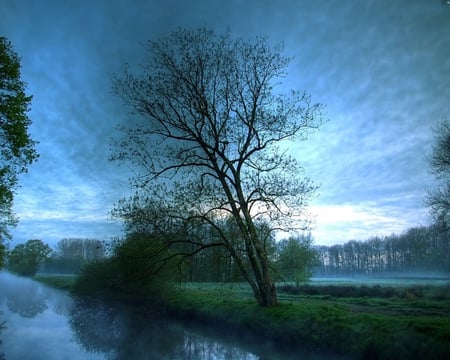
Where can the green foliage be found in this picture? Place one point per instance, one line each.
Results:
(17, 148)
(25, 259)
(296, 258)
(146, 265)
(98, 279)
(141, 266)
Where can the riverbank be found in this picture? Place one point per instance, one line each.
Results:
(363, 328)
(413, 326)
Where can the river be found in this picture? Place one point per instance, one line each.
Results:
(42, 323)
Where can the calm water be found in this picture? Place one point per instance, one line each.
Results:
(45, 324)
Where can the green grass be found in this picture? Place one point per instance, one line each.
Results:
(63, 282)
(363, 327)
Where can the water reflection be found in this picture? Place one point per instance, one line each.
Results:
(2, 327)
(123, 333)
(43, 323)
(37, 322)
(27, 299)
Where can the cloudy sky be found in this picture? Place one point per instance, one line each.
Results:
(381, 68)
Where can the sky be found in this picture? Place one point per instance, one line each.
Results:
(380, 67)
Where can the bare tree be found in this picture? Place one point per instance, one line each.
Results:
(439, 198)
(207, 144)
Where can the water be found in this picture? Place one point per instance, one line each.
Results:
(46, 324)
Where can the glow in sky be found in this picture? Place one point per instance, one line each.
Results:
(381, 67)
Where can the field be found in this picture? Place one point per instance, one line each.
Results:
(388, 319)
(63, 282)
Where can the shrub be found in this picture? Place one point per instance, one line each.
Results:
(140, 267)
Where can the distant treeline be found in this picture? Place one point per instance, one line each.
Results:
(71, 254)
(420, 249)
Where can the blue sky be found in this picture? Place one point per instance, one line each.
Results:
(381, 68)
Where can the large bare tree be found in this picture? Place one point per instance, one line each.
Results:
(438, 198)
(209, 144)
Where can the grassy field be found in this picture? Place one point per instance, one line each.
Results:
(63, 282)
(394, 322)
(409, 327)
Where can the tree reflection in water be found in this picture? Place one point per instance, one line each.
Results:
(2, 326)
(124, 333)
(27, 300)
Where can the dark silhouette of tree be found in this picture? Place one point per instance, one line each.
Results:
(438, 199)
(17, 149)
(2, 255)
(2, 327)
(208, 143)
(25, 259)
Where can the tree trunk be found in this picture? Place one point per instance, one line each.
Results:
(267, 294)
(263, 288)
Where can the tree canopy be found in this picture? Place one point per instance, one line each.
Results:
(25, 259)
(296, 258)
(17, 149)
(208, 145)
(439, 197)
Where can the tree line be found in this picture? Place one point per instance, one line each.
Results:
(69, 256)
(292, 259)
(420, 249)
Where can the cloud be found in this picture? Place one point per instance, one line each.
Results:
(380, 67)
(341, 223)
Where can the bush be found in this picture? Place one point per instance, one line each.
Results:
(25, 259)
(140, 267)
(98, 278)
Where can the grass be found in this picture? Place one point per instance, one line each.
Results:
(63, 282)
(378, 327)
(408, 324)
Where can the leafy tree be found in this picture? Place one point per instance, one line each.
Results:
(25, 259)
(296, 258)
(17, 150)
(439, 198)
(134, 269)
(208, 145)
